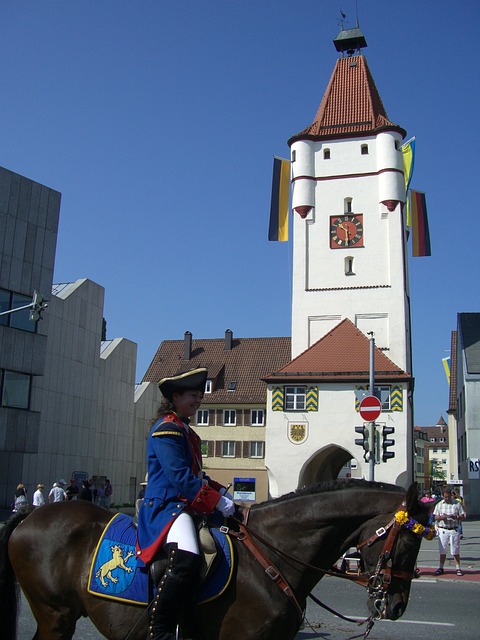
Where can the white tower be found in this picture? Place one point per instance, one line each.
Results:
(349, 258)
(349, 279)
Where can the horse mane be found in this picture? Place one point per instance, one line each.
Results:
(334, 485)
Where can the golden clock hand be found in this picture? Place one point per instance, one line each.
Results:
(341, 226)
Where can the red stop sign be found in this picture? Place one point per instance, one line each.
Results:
(370, 408)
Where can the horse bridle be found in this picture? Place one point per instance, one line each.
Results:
(377, 584)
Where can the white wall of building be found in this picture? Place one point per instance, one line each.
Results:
(375, 298)
(329, 429)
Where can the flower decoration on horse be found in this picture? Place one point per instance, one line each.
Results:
(418, 529)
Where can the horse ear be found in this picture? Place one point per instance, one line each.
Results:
(412, 497)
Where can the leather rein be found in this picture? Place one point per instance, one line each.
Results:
(377, 583)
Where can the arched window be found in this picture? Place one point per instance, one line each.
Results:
(364, 149)
(347, 205)
(349, 266)
(326, 154)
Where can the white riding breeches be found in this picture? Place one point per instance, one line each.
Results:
(183, 532)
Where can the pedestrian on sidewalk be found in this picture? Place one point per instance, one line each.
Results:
(57, 493)
(38, 498)
(448, 514)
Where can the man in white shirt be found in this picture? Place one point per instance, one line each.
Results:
(57, 494)
(448, 514)
(38, 499)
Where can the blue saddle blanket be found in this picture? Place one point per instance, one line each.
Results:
(114, 573)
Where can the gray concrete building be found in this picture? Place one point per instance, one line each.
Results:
(68, 396)
(29, 214)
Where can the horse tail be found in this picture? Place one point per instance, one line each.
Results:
(9, 590)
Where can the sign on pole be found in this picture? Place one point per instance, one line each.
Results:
(370, 408)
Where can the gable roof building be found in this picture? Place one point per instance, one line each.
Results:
(313, 406)
(232, 418)
(343, 354)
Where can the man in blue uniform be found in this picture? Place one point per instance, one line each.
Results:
(177, 489)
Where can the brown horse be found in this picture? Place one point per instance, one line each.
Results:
(303, 534)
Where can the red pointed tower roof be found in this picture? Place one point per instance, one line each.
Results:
(351, 105)
(342, 355)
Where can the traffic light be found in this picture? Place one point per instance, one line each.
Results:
(363, 441)
(387, 442)
(38, 305)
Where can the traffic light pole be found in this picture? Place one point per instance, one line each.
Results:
(371, 426)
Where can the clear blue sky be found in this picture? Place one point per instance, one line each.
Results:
(157, 121)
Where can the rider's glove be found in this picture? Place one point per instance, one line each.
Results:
(226, 506)
(225, 493)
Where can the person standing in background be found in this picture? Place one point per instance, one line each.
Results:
(38, 499)
(20, 499)
(85, 492)
(72, 491)
(57, 494)
(448, 513)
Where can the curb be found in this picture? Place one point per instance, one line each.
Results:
(469, 575)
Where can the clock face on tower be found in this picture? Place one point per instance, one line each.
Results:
(346, 231)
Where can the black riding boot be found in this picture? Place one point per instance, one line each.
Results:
(174, 588)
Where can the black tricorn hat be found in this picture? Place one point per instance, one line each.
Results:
(194, 379)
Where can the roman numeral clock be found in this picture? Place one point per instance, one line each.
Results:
(346, 231)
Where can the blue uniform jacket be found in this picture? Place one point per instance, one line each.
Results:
(175, 482)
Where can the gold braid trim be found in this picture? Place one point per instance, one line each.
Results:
(167, 433)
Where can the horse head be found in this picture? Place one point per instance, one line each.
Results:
(389, 552)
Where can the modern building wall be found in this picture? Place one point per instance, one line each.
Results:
(29, 214)
(147, 400)
(114, 434)
(468, 407)
(78, 413)
(85, 399)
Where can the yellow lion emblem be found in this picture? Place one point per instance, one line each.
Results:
(117, 562)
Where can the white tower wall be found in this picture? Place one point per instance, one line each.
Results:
(374, 297)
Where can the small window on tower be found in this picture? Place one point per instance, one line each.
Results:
(364, 149)
(294, 155)
(349, 266)
(347, 205)
(326, 154)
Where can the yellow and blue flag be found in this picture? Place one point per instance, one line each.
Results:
(408, 153)
(278, 228)
(446, 366)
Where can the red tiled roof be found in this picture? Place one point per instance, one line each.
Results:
(435, 431)
(246, 363)
(351, 104)
(342, 355)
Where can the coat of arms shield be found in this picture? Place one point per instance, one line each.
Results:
(297, 432)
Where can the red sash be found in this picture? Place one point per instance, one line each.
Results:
(194, 442)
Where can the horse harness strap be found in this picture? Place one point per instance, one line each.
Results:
(270, 569)
(383, 568)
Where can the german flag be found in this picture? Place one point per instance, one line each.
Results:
(278, 228)
(420, 231)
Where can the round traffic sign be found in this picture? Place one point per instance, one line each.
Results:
(370, 408)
